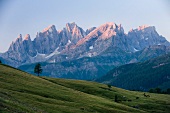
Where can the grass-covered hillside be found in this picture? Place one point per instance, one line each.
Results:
(141, 76)
(21, 92)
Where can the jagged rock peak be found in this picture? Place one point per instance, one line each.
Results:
(49, 28)
(109, 29)
(110, 26)
(27, 37)
(103, 32)
(143, 28)
(120, 27)
(71, 26)
(90, 30)
(75, 31)
(19, 38)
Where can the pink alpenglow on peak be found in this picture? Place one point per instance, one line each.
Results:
(75, 31)
(143, 27)
(112, 26)
(27, 37)
(59, 31)
(71, 26)
(109, 25)
(49, 28)
(131, 30)
(19, 38)
(103, 32)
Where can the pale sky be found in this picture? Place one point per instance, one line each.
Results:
(32, 16)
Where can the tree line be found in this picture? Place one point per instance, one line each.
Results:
(159, 90)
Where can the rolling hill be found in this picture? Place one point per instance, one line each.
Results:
(23, 92)
(141, 76)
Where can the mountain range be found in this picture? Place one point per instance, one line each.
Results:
(85, 54)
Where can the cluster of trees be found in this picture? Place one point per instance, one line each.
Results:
(0, 62)
(159, 90)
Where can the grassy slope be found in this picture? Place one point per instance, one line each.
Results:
(22, 92)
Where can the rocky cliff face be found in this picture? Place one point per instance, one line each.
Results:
(144, 36)
(47, 43)
(90, 30)
(111, 35)
(152, 52)
(20, 50)
(72, 43)
(47, 40)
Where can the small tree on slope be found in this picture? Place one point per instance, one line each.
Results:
(38, 69)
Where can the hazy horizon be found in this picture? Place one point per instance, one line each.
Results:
(29, 17)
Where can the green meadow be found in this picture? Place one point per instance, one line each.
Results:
(21, 92)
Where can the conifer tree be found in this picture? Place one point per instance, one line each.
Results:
(38, 69)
